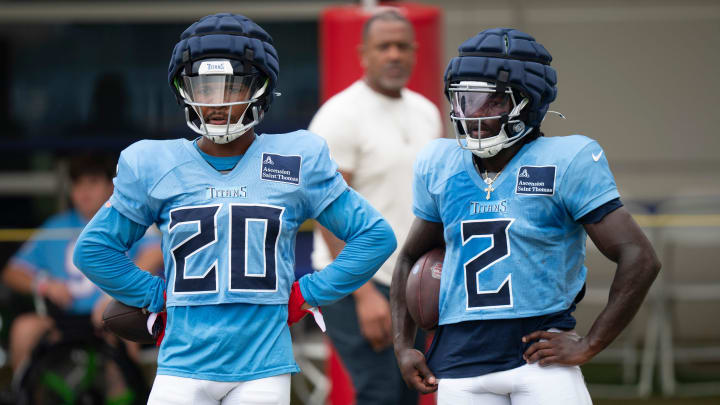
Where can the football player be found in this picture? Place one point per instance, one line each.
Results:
(229, 204)
(513, 209)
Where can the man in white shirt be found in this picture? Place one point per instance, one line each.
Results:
(374, 129)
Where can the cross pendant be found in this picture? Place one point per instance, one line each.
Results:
(489, 190)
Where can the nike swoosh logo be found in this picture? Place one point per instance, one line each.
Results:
(597, 157)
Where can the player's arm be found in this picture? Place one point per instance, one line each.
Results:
(100, 255)
(369, 241)
(422, 237)
(621, 240)
(372, 308)
(149, 258)
(334, 244)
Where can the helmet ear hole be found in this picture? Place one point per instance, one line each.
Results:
(517, 128)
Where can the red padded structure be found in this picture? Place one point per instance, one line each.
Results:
(341, 33)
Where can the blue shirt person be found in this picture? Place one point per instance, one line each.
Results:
(44, 266)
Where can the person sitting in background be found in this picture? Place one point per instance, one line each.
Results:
(43, 266)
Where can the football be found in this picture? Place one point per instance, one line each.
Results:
(422, 291)
(127, 322)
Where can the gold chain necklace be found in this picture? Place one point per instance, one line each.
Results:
(489, 189)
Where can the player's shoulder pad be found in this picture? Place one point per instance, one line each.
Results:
(438, 161)
(141, 150)
(436, 154)
(153, 158)
(563, 148)
(301, 142)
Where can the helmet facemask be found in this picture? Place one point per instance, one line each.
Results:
(221, 105)
(479, 108)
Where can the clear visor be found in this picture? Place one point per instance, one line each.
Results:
(210, 90)
(477, 107)
(485, 121)
(476, 104)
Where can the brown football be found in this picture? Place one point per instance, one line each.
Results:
(127, 322)
(422, 291)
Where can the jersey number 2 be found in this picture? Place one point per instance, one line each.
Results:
(497, 231)
(205, 217)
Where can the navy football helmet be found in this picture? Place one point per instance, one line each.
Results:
(224, 71)
(500, 74)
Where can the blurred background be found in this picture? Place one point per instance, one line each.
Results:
(638, 76)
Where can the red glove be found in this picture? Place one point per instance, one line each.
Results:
(295, 311)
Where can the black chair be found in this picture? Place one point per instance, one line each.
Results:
(80, 368)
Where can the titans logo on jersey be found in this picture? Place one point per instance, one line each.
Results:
(228, 238)
(514, 249)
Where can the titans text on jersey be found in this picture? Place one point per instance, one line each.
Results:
(517, 251)
(230, 237)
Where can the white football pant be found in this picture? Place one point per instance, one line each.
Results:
(530, 384)
(171, 390)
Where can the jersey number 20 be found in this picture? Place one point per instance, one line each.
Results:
(497, 231)
(241, 215)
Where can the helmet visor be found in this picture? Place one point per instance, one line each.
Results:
(476, 104)
(222, 89)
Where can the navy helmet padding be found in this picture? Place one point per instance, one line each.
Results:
(527, 63)
(230, 36)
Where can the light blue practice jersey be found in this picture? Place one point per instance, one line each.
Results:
(520, 252)
(228, 238)
(229, 244)
(49, 252)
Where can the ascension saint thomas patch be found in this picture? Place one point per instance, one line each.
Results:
(536, 180)
(280, 168)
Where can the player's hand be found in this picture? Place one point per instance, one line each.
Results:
(298, 308)
(415, 371)
(156, 323)
(566, 348)
(156, 326)
(373, 311)
(57, 292)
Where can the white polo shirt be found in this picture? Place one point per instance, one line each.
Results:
(376, 139)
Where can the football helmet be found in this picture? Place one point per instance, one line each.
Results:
(500, 80)
(224, 72)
